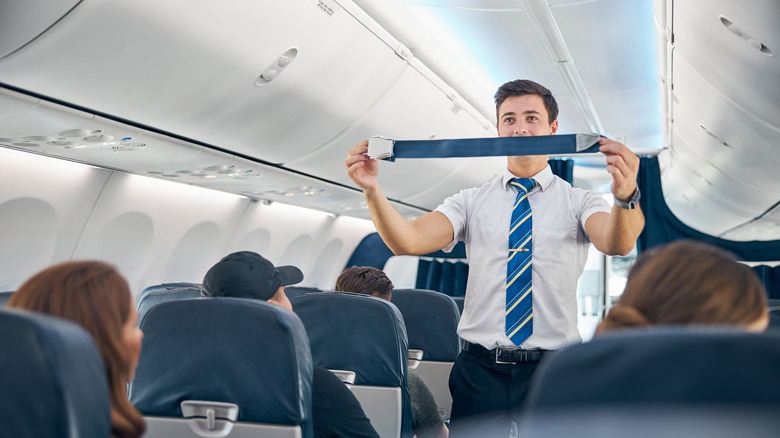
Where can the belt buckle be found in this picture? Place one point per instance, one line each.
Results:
(498, 351)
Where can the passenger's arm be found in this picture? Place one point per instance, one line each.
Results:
(615, 233)
(431, 232)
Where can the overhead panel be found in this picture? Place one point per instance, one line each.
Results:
(724, 120)
(21, 21)
(200, 69)
(413, 108)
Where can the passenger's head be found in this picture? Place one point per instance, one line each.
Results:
(523, 87)
(365, 280)
(247, 274)
(688, 282)
(95, 296)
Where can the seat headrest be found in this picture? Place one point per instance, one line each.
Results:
(167, 286)
(662, 366)
(5, 296)
(52, 379)
(431, 322)
(156, 297)
(234, 350)
(349, 331)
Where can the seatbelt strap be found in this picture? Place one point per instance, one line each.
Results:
(383, 148)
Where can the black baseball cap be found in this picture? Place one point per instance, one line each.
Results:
(247, 274)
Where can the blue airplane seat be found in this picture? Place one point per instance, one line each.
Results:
(155, 297)
(431, 323)
(459, 301)
(5, 296)
(296, 291)
(774, 316)
(662, 366)
(365, 335)
(167, 286)
(223, 366)
(52, 379)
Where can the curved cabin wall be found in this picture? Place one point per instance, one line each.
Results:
(154, 231)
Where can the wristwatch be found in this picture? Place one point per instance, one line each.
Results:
(631, 203)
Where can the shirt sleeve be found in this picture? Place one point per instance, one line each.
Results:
(454, 208)
(590, 203)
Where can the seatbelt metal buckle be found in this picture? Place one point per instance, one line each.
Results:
(586, 141)
(380, 148)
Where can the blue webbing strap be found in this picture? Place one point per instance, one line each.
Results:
(388, 149)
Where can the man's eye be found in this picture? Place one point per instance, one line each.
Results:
(509, 120)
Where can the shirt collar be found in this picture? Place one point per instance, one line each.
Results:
(544, 178)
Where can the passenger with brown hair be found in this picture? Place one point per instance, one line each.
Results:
(426, 418)
(94, 295)
(689, 283)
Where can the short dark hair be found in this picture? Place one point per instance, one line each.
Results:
(365, 280)
(522, 87)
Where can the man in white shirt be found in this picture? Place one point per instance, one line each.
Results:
(491, 375)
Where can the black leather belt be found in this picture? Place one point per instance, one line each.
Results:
(504, 355)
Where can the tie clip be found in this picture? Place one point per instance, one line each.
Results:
(519, 250)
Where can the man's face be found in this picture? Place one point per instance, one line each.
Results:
(524, 115)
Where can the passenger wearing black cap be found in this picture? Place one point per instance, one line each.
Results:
(246, 274)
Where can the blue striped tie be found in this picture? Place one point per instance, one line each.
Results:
(519, 312)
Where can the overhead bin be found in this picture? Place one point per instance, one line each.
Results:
(192, 68)
(21, 21)
(723, 123)
(411, 109)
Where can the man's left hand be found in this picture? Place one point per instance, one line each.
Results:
(623, 165)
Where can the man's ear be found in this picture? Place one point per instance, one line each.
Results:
(554, 127)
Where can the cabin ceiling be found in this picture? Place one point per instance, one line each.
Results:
(183, 90)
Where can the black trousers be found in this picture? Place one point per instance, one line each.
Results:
(486, 394)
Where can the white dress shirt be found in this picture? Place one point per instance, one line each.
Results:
(480, 217)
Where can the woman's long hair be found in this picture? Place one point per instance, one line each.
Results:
(687, 282)
(94, 295)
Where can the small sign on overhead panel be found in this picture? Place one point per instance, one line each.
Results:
(325, 6)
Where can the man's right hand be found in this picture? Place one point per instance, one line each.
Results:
(361, 169)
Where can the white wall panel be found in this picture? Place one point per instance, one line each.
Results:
(142, 224)
(44, 206)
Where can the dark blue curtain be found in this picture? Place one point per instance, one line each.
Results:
(770, 276)
(662, 226)
(443, 276)
(563, 168)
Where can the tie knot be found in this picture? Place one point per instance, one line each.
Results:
(524, 184)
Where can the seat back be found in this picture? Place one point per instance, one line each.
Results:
(156, 297)
(223, 367)
(296, 291)
(167, 286)
(5, 296)
(431, 323)
(360, 333)
(663, 366)
(52, 379)
(774, 316)
(459, 301)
